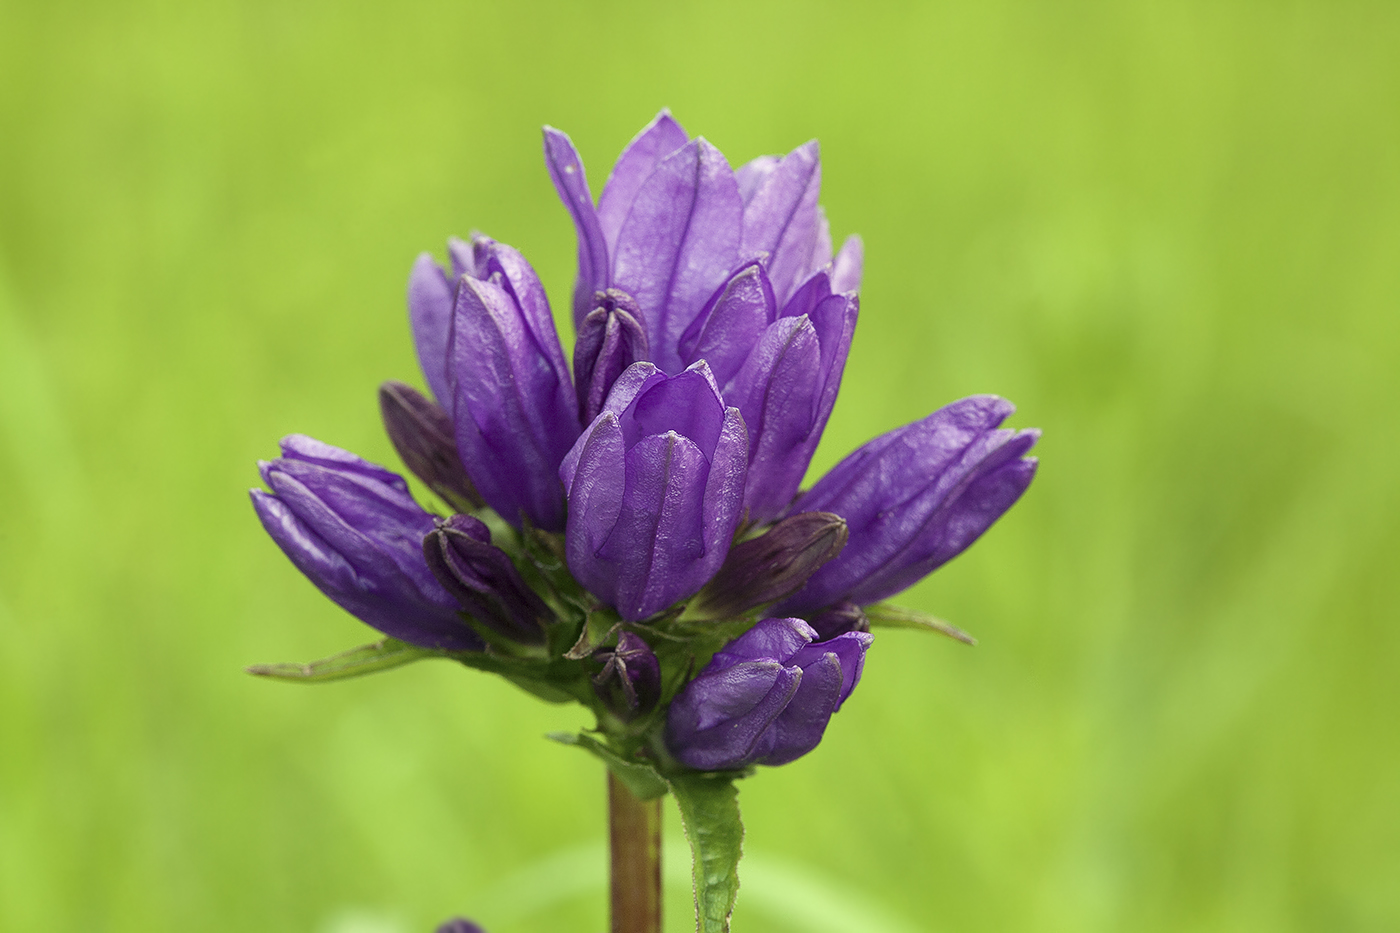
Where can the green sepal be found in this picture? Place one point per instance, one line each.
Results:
(709, 805)
(885, 615)
(641, 778)
(367, 659)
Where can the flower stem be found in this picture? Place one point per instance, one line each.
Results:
(634, 829)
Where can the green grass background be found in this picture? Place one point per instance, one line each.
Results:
(1170, 231)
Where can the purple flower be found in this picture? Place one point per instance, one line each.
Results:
(630, 681)
(765, 698)
(492, 357)
(674, 222)
(781, 370)
(914, 499)
(353, 529)
(655, 487)
(481, 576)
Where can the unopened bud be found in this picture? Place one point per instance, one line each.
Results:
(774, 565)
(630, 681)
(483, 579)
(422, 434)
(610, 338)
(838, 620)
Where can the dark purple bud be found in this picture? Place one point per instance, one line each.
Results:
(781, 217)
(515, 415)
(765, 698)
(610, 339)
(839, 619)
(481, 576)
(763, 570)
(630, 681)
(678, 244)
(655, 487)
(459, 925)
(915, 498)
(566, 170)
(355, 532)
(787, 389)
(422, 434)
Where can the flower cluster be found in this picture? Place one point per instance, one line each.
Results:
(630, 533)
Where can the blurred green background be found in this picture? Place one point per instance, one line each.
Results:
(1170, 231)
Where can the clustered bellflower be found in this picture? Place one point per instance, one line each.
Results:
(630, 532)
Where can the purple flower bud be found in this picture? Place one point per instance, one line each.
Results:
(839, 619)
(353, 529)
(915, 498)
(514, 413)
(630, 681)
(763, 570)
(460, 925)
(610, 339)
(481, 576)
(422, 434)
(655, 487)
(765, 698)
(782, 371)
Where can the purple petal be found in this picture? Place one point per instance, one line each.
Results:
(518, 278)
(850, 649)
(724, 492)
(309, 450)
(566, 169)
(799, 727)
(657, 140)
(515, 416)
(751, 175)
(821, 246)
(716, 721)
(781, 217)
(773, 639)
(610, 339)
(430, 317)
(727, 332)
(679, 243)
(658, 540)
(689, 404)
(846, 269)
(777, 392)
(593, 475)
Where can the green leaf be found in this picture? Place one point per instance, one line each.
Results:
(366, 659)
(709, 806)
(888, 616)
(641, 778)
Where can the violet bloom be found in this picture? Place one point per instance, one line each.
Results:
(673, 222)
(914, 499)
(355, 532)
(765, 698)
(492, 357)
(655, 487)
(781, 369)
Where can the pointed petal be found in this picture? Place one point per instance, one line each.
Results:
(849, 264)
(679, 243)
(593, 478)
(430, 317)
(800, 726)
(728, 332)
(566, 169)
(752, 175)
(657, 140)
(781, 217)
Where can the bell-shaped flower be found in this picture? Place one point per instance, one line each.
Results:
(655, 489)
(782, 370)
(674, 221)
(765, 698)
(421, 432)
(512, 402)
(355, 532)
(914, 499)
(481, 576)
(610, 339)
(630, 680)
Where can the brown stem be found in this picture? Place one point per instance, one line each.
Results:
(634, 829)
